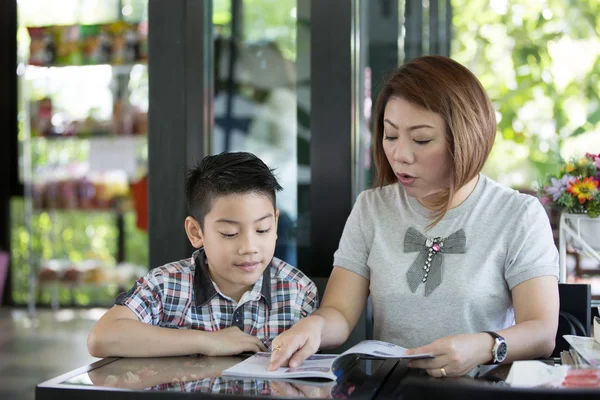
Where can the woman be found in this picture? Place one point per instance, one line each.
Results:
(457, 265)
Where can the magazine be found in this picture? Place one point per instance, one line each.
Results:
(587, 348)
(537, 374)
(326, 366)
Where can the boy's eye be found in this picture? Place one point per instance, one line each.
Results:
(390, 138)
(264, 231)
(228, 235)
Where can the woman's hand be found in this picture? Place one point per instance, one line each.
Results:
(454, 355)
(297, 343)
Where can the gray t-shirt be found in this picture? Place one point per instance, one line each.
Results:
(508, 241)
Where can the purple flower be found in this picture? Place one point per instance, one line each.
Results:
(559, 186)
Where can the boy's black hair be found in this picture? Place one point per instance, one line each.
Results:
(224, 174)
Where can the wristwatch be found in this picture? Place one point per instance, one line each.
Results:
(500, 348)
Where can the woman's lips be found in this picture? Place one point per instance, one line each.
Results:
(406, 179)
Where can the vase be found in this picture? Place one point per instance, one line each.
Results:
(587, 228)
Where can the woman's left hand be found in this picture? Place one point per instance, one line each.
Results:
(454, 355)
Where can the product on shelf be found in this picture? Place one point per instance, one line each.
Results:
(53, 270)
(127, 119)
(41, 117)
(70, 188)
(143, 41)
(48, 275)
(86, 193)
(68, 51)
(42, 49)
(96, 44)
(116, 43)
(71, 275)
(89, 272)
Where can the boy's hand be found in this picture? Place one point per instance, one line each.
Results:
(232, 341)
(288, 389)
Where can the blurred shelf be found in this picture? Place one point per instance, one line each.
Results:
(107, 136)
(119, 205)
(79, 210)
(118, 69)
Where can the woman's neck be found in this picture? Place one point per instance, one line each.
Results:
(459, 196)
(464, 192)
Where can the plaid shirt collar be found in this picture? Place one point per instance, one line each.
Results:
(205, 289)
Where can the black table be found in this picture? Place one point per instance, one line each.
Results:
(182, 377)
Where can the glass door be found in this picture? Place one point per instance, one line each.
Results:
(271, 77)
(262, 100)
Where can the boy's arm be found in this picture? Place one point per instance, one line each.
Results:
(119, 333)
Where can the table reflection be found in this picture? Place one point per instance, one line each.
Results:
(203, 374)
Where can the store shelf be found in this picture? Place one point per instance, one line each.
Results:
(77, 145)
(122, 69)
(111, 210)
(107, 136)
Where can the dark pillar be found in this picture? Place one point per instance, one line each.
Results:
(180, 47)
(9, 176)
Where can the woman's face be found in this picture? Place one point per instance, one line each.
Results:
(414, 142)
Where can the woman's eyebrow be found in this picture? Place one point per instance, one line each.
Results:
(410, 128)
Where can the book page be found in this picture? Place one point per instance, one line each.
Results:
(319, 365)
(382, 350)
(315, 366)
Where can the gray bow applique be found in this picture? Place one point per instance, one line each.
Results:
(427, 267)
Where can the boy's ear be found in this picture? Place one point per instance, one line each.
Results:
(194, 233)
(276, 221)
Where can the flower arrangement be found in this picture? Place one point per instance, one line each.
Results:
(576, 189)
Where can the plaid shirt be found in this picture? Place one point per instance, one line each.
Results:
(182, 295)
(218, 385)
(248, 387)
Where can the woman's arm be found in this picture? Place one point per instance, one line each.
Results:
(329, 326)
(119, 333)
(536, 305)
(536, 315)
(343, 303)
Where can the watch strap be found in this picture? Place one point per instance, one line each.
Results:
(497, 340)
(494, 335)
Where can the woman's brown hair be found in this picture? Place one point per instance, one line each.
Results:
(444, 86)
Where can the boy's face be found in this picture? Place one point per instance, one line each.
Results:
(239, 240)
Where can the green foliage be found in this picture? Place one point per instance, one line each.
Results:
(567, 201)
(69, 235)
(271, 20)
(594, 207)
(540, 64)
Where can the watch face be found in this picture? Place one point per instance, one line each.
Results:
(501, 351)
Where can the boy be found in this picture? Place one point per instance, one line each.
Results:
(232, 295)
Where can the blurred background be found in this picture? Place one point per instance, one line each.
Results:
(106, 101)
(78, 232)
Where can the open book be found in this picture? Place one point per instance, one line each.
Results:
(327, 366)
(586, 347)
